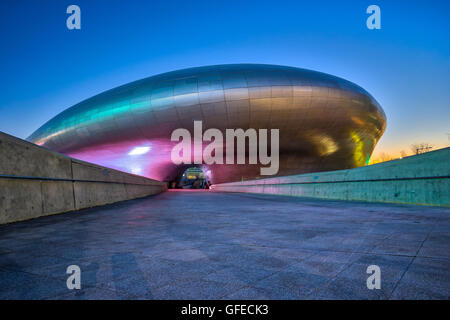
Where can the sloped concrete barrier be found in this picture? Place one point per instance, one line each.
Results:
(37, 182)
(421, 179)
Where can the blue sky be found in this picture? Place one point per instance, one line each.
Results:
(46, 68)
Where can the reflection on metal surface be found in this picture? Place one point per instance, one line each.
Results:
(325, 122)
(325, 144)
(359, 154)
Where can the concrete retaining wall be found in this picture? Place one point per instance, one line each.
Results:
(421, 179)
(36, 182)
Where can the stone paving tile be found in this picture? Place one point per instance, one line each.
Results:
(244, 257)
(99, 271)
(21, 285)
(441, 252)
(156, 274)
(290, 284)
(425, 279)
(240, 276)
(392, 267)
(351, 282)
(406, 291)
(345, 289)
(409, 248)
(29, 263)
(138, 284)
(325, 263)
(194, 289)
(251, 293)
(90, 293)
(233, 246)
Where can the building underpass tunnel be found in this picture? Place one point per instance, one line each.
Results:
(192, 178)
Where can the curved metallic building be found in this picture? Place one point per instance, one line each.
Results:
(325, 122)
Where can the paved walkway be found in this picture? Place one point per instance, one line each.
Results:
(207, 245)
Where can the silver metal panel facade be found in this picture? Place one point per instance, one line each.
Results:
(325, 122)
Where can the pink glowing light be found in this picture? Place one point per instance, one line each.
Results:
(138, 151)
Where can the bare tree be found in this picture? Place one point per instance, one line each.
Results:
(385, 157)
(419, 148)
(382, 157)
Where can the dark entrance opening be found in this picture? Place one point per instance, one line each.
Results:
(192, 178)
